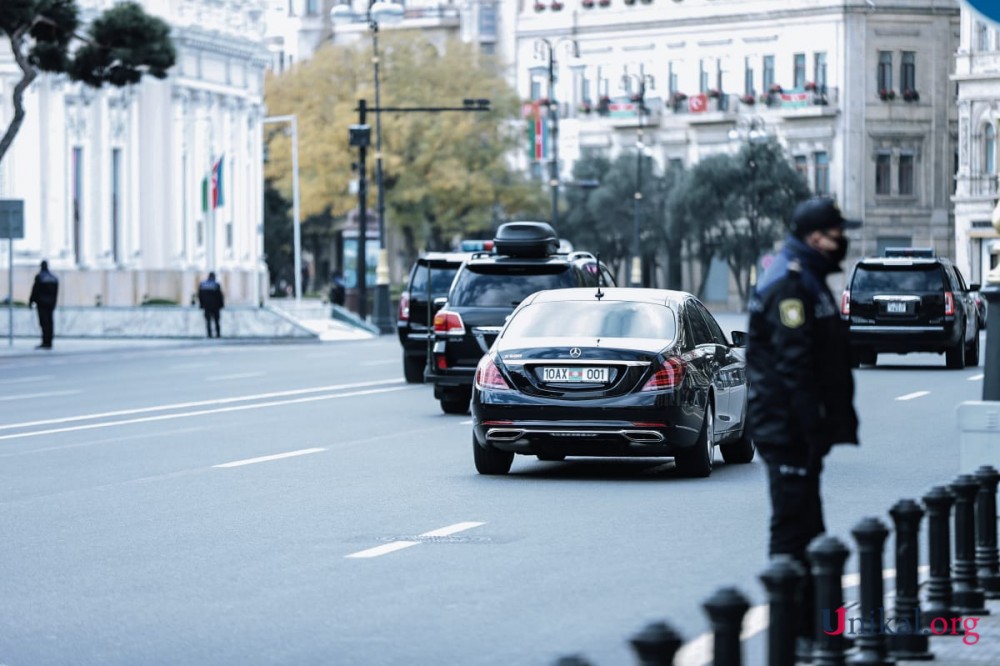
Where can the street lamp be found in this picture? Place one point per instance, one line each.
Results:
(635, 279)
(546, 50)
(385, 13)
(296, 220)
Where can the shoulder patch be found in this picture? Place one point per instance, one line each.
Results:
(793, 312)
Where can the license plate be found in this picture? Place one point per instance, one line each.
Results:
(895, 307)
(575, 375)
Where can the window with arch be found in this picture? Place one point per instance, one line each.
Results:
(989, 149)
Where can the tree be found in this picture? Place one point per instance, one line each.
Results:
(120, 46)
(445, 174)
(278, 236)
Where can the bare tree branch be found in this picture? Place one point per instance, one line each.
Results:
(28, 75)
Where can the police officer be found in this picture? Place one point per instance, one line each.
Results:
(44, 293)
(211, 301)
(801, 388)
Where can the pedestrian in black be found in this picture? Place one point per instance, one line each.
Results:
(44, 293)
(801, 396)
(338, 292)
(211, 301)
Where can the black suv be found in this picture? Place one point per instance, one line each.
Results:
(430, 279)
(488, 287)
(911, 301)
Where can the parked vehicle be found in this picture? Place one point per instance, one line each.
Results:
(611, 372)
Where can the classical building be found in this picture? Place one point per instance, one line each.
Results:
(857, 91)
(113, 179)
(977, 78)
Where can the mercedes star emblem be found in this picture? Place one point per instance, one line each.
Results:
(575, 352)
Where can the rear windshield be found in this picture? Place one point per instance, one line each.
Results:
(506, 286)
(441, 277)
(928, 277)
(593, 319)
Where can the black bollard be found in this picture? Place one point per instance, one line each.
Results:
(572, 660)
(987, 560)
(938, 503)
(783, 581)
(909, 641)
(967, 596)
(870, 535)
(726, 609)
(656, 644)
(827, 556)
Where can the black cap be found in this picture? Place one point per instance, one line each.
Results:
(818, 214)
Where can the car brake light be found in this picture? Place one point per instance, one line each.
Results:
(488, 375)
(949, 303)
(449, 323)
(845, 303)
(404, 306)
(669, 376)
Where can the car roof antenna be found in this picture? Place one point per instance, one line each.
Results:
(600, 278)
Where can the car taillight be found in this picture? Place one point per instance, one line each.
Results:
(449, 323)
(669, 376)
(949, 303)
(845, 303)
(404, 306)
(488, 375)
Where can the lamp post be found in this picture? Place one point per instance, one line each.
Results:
(546, 50)
(296, 219)
(376, 13)
(991, 292)
(635, 278)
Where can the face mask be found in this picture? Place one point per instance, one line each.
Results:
(838, 255)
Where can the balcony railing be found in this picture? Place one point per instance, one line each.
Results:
(983, 185)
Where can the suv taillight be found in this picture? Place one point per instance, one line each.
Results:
(845, 303)
(949, 303)
(488, 375)
(669, 376)
(404, 306)
(449, 323)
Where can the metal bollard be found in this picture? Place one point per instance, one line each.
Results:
(908, 642)
(656, 644)
(827, 556)
(726, 609)
(938, 503)
(987, 560)
(870, 534)
(783, 581)
(967, 596)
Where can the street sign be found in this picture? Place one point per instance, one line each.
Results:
(11, 218)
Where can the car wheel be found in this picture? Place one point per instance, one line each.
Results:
(739, 452)
(863, 356)
(454, 406)
(955, 357)
(972, 351)
(489, 460)
(697, 460)
(413, 369)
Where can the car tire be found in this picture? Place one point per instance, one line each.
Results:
(454, 406)
(972, 352)
(955, 357)
(413, 369)
(490, 461)
(739, 452)
(863, 356)
(696, 461)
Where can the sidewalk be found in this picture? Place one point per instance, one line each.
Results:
(954, 651)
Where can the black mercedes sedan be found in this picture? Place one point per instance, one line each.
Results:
(611, 372)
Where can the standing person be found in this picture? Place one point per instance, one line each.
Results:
(338, 292)
(211, 301)
(801, 389)
(44, 293)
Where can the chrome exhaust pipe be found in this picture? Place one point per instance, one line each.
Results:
(504, 434)
(643, 436)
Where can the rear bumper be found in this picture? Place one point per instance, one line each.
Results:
(903, 339)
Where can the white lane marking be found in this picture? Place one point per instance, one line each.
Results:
(103, 440)
(383, 549)
(201, 403)
(466, 422)
(221, 410)
(699, 652)
(19, 380)
(451, 529)
(915, 394)
(276, 456)
(28, 396)
(976, 378)
(239, 375)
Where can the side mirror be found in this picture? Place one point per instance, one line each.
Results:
(974, 286)
(739, 339)
(439, 303)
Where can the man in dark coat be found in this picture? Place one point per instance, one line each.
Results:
(801, 398)
(211, 301)
(44, 293)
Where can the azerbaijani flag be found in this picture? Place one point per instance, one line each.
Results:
(212, 191)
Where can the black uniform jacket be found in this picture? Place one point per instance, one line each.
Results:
(45, 291)
(798, 356)
(210, 296)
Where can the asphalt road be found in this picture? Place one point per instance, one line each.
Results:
(302, 505)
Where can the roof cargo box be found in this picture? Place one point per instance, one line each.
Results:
(526, 239)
